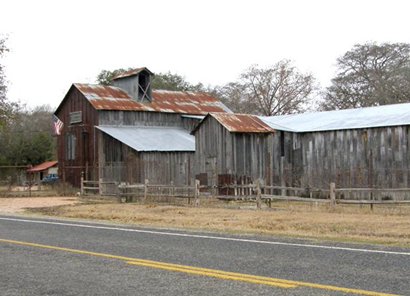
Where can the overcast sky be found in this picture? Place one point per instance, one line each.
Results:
(56, 43)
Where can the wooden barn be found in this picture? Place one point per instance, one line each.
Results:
(129, 132)
(356, 148)
(233, 148)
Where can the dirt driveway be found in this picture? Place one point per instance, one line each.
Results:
(17, 205)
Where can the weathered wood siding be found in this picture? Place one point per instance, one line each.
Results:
(145, 119)
(223, 157)
(123, 164)
(84, 133)
(359, 158)
(373, 157)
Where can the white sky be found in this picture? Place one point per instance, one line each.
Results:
(55, 43)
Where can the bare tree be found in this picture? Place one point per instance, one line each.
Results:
(370, 75)
(234, 95)
(277, 90)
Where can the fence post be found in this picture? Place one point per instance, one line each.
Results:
(197, 183)
(82, 184)
(145, 189)
(100, 191)
(332, 194)
(258, 194)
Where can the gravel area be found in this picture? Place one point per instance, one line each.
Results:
(17, 205)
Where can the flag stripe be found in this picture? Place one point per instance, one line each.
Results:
(57, 125)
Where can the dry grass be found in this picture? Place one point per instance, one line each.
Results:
(384, 225)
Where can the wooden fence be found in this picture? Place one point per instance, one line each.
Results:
(130, 192)
(246, 192)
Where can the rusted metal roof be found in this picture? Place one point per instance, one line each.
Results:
(42, 167)
(132, 72)
(240, 123)
(113, 98)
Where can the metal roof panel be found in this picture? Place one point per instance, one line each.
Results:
(145, 138)
(380, 116)
(242, 123)
(104, 97)
(43, 166)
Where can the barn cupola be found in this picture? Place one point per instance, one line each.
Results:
(137, 83)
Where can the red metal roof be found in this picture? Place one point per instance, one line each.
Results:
(242, 123)
(113, 98)
(43, 166)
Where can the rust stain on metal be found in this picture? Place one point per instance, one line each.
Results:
(242, 123)
(113, 98)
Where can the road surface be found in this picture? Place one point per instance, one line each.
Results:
(66, 257)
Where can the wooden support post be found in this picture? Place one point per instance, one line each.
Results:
(332, 194)
(258, 195)
(82, 184)
(100, 191)
(282, 176)
(146, 189)
(197, 183)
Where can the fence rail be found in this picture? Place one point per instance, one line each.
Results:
(246, 192)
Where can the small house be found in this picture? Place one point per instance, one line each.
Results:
(38, 172)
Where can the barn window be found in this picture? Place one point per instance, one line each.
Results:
(70, 146)
(76, 117)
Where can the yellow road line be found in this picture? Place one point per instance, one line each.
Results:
(281, 283)
(242, 277)
(207, 271)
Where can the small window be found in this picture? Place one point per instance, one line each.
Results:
(70, 146)
(76, 117)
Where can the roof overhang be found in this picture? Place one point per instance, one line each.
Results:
(150, 139)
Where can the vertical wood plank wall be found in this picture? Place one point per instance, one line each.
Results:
(123, 164)
(357, 158)
(86, 144)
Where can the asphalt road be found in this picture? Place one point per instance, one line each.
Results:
(63, 257)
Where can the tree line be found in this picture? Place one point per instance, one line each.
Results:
(369, 74)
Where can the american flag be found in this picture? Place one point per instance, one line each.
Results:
(57, 125)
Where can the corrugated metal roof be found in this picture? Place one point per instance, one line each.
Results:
(113, 98)
(132, 72)
(42, 167)
(144, 138)
(380, 116)
(240, 123)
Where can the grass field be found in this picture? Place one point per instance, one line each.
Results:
(389, 225)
